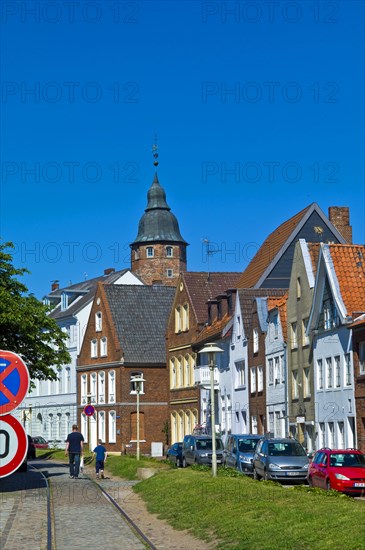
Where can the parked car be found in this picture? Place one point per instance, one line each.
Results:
(239, 451)
(174, 453)
(40, 442)
(31, 453)
(280, 459)
(197, 449)
(339, 469)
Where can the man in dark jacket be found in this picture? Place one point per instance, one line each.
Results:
(74, 448)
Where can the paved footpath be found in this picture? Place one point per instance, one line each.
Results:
(82, 516)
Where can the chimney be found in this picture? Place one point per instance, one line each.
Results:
(109, 271)
(55, 285)
(340, 217)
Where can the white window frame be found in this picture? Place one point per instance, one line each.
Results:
(83, 389)
(306, 380)
(295, 388)
(294, 335)
(337, 371)
(260, 379)
(240, 374)
(93, 348)
(320, 373)
(348, 368)
(253, 384)
(112, 426)
(255, 340)
(173, 373)
(111, 386)
(305, 338)
(361, 358)
(329, 373)
(98, 321)
(150, 252)
(101, 426)
(93, 386)
(101, 387)
(169, 273)
(103, 346)
(271, 371)
(169, 252)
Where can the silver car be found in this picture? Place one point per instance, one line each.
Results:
(197, 449)
(280, 459)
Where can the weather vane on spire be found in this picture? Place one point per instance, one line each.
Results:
(155, 152)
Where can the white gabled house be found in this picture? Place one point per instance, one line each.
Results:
(339, 295)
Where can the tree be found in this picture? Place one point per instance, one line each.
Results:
(25, 327)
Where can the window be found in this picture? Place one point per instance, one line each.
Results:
(329, 373)
(271, 422)
(255, 340)
(169, 251)
(276, 325)
(305, 338)
(83, 389)
(320, 373)
(112, 436)
(277, 368)
(341, 435)
(169, 273)
(172, 373)
(307, 387)
(294, 336)
(299, 289)
(348, 369)
(240, 373)
(101, 426)
(93, 387)
(260, 379)
(271, 371)
(295, 393)
(362, 358)
(94, 348)
(104, 347)
(180, 373)
(111, 386)
(330, 316)
(98, 321)
(253, 379)
(64, 301)
(254, 424)
(185, 317)
(322, 435)
(177, 319)
(331, 430)
(186, 371)
(182, 318)
(149, 251)
(134, 385)
(101, 387)
(337, 371)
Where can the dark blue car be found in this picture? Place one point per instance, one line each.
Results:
(174, 453)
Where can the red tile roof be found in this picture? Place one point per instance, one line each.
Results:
(202, 286)
(349, 264)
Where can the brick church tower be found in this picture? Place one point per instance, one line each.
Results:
(158, 253)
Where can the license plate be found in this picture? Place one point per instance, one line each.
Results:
(359, 484)
(292, 473)
(219, 462)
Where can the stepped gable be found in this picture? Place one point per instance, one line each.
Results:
(140, 315)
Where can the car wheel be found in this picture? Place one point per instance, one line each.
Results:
(184, 462)
(255, 474)
(328, 485)
(177, 462)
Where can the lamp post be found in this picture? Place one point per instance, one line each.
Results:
(211, 350)
(137, 382)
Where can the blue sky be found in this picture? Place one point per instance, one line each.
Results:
(258, 108)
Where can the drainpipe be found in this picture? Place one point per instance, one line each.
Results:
(286, 390)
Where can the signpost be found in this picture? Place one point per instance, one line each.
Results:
(13, 444)
(14, 381)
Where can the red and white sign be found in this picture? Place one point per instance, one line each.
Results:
(13, 445)
(89, 410)
(14, 381)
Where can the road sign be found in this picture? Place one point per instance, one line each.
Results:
(14, 381)
(89, 410)
(13, 445)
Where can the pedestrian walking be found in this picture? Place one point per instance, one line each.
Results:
(74, 449)
(100, 454)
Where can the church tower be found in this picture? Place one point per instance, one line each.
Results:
(158, 253)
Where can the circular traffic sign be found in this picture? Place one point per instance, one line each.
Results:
(13, 445)
(14, 381)
(89, 410)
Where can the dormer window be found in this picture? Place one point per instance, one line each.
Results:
(169, 251)
(149, 251)
(98, 321)
(64, 301)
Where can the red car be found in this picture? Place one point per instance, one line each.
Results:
(40, 442)
(339, 469)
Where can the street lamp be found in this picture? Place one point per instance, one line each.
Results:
(211, 350)
(137, 385)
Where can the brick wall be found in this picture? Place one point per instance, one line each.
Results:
(359, 336)
(340, 217)
(154, 270)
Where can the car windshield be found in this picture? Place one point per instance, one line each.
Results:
(39, 440)
(290, 448)
(347, 460)
(206, 444)
(247, 444)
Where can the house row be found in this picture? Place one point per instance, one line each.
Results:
(290, 326)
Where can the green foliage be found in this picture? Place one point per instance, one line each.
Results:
(25, 327)
(240, 513)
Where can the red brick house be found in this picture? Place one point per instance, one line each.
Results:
(125, 337)
(358, 343)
